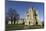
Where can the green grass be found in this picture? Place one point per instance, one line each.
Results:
(20, 27)
(14, 27)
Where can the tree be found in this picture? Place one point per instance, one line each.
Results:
(42, 23)
(6, 19)
(13, 15)
(23, 22)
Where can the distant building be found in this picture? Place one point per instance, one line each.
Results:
(32, 17)
(9, 22)
(20, 21)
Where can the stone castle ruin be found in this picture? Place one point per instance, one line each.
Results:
(32, 17)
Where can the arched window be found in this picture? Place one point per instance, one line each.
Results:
(27, 15)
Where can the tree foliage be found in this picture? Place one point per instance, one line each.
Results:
(12, 15)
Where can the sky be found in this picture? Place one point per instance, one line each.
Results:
(22, 7)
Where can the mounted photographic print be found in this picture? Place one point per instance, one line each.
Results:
(24, 15)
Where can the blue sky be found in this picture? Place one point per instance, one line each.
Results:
(22, 7)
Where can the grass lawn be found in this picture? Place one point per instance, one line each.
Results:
(14, 27)
(20, 27)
